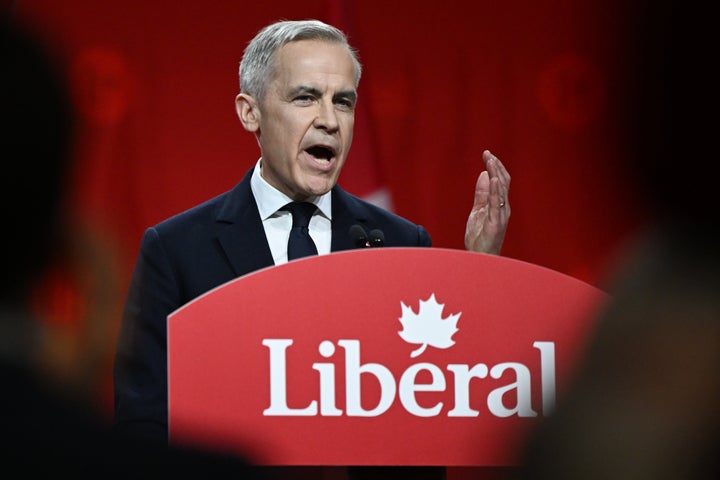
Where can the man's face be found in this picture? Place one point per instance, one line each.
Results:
(305, 122)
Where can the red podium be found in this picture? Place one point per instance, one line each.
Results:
(390, 356)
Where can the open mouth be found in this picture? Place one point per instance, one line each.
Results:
(321, 153)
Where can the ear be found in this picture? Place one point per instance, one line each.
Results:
(248, 112)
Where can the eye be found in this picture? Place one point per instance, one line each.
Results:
(303, 99)
(345, 103)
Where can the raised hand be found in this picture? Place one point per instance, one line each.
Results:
(488, 219)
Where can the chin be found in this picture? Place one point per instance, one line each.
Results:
(319, 187)
(316, 192)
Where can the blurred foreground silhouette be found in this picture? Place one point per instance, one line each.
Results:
(646, 402)
(48, 422)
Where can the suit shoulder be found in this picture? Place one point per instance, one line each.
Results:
(398, 231)
(372, 212)
(202, 213)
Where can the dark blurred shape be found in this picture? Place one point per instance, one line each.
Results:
(47, 429)
(672, 103)
(36, 145)
(646, 401)
(397, 472)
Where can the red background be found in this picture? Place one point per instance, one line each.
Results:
(535, 82)
(540, 84)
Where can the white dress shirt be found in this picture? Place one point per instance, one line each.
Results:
(277, 223)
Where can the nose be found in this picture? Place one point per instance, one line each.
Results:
(326, 118)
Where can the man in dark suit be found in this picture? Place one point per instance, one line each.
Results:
(298, 83)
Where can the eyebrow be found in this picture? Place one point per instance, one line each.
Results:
(302, 89)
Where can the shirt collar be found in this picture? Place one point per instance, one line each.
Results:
(269, 199)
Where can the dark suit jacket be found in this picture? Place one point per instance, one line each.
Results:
(190, 254)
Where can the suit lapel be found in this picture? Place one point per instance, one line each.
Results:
(240, 230)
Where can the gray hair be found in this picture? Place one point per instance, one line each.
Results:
(257, 64)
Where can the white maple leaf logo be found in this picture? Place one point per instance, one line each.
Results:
(427, 327)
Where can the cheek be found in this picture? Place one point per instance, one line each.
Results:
(282, 121)
(349, 126)
(281, 139)
(292, 132)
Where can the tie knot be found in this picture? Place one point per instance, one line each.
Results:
(301, 213)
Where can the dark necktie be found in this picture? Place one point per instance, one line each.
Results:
(300, 244)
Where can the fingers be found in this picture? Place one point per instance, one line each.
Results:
(499, 185)
(497, 201)
(496, 168)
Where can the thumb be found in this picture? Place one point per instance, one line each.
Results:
(482, 191)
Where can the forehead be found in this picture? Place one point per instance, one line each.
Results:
(314, 60)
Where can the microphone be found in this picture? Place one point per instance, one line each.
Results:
(377, 238)
(358, 236)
